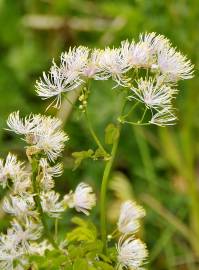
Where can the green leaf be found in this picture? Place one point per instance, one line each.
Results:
(96, 246)
(79, 221)
(86, 231)
(80, 156)
(52, 260)
(111, 134)
(103, 265)
(80, 264)
(75, 251)
(112, 253)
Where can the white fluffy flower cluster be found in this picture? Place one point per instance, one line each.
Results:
(82, 199)
(48, 173)
(132, 252)
(130, 215)
(13, 170)
(42, 132)
(17, 243)
(21, 207)
(46, 140)
(23, 235)
(149, 68)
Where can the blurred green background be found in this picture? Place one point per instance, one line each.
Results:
(158, 166)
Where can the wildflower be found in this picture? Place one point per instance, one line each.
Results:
(21, 207)
(10, 169)
(51, 204)
(132, 252)
(130, 213)
(136, 55)
(74, 61)
(48, 172)
(65, 77)
(83, 199)
(53, 85)
(93, 66)
(173, 65)
(154, 42)
(43, 132)
(22, 184)
(16, 243)
(163, 117)
(153, 94)
(112, 64)
(22, 235)
(8, 251)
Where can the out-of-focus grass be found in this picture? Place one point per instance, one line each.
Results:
(159, 163)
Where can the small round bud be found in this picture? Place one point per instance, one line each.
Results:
(81, 98)
(109, 237)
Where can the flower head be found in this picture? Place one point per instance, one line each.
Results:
(93, 65)
(154, 42)
(74, 61)
(23, 235)
(42, 132)
(9, 252)
(173, 65)
(163, 118)
(21, 207)
(130, 213)
(132, 252)
(22, 184)
(153, 94)
(51, 204)
(10, 169)
(16, 243)
(65, 77)
(113, 64)
(47, 174)
(136, 55)
(83, 199)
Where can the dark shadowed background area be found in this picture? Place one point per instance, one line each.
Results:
(157, 166)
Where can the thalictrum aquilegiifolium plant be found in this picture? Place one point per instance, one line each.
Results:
(145, 74)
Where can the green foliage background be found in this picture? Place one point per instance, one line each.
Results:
(160, 164)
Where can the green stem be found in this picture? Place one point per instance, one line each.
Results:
(56, 228)
(143, 116)
(104, 184)
(131, 110)
(107, 170)
(37, 201)
(92, 132)
(136, 123)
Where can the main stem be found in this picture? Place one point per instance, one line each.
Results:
(37, 201)
(107, 170)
